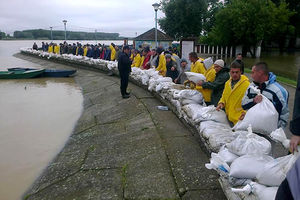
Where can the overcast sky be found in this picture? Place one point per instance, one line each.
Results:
(126, 17)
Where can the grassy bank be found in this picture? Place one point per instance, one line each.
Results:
(279, 79)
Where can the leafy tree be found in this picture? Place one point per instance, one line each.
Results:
(184, 18)
(2, 35)
(249, 22)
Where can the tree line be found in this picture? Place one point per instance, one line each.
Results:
(249, 23)
(60, 35)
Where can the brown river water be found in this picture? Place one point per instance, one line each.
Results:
(36, 119)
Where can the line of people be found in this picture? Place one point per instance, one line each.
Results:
(96, 51)
(225, 87)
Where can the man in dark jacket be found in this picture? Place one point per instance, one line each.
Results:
(124, 67)
(217, 86)
(290, 187)
(171, 67)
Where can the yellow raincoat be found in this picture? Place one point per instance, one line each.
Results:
(162, 65)
(50, 49)
(57, 49)
(113, 53)
(136, 61)
(142, 61)
(210, 75)
(198, 67)
(232, 98)
(85, 51)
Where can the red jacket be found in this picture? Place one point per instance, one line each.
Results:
(146, 63)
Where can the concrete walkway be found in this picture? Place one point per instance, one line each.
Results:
(125, 149)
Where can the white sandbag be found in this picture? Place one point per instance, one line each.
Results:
(275, 171)
(248, 166)
(249, 143)
(195, 96)
(226, 155)
(191, 109)
(208, 62)
(257, 116)
(219, 138)
(212, 124)
(195, 77)
(260, 191)
(279, 136)
(210, 113)
(218, 164)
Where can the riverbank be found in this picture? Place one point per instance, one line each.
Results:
(125, 149)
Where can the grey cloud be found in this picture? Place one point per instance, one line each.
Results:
(124, 17)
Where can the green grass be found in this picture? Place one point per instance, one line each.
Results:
(279, 79)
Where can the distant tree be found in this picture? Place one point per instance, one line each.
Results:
(183, 18)
(293, 5)
(249, 22)
(60, 35)
(2, 35)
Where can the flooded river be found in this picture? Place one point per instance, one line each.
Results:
(37, 117)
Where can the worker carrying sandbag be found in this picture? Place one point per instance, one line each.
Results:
(257, 115)
(266, 83)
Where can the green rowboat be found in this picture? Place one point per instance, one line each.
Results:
(20, 74)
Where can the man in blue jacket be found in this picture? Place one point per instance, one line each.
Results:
(270, 88)
(290, 187)
(124, 67)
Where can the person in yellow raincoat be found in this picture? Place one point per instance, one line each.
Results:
(136, 59)
(85, 48)
(50, 48)
(162, 66)
(210, 76)
(197, 65)
(113, 52)
(56, 49)
(215, 87)
(233, 93)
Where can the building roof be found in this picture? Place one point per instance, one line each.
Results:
(150, 36)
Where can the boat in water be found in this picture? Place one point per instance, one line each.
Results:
(47, 72)
(21, 74)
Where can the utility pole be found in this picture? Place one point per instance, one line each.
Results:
(51, 33)
(65, 24)
(96, 35)
(156, 6)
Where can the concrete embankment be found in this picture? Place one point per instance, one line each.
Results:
(124, 149)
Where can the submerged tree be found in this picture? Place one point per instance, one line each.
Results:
(249, 22)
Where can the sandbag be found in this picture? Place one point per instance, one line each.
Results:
(248, 166)
(191, 109)
(279, 136)
(275, 171)
(210, 113)
(208, 62)
(249, 143)
(226, 155)
(260, 191)
(218, 164)
(195, 77)
(193, 95)
(257, 116)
